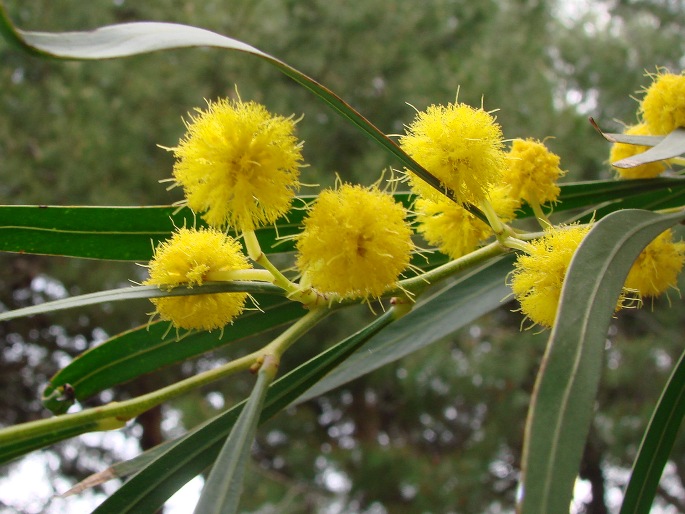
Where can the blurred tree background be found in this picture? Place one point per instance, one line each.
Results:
(439, 431)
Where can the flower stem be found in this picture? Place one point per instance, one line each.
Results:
(417, 284)
(500, 229)
(108, 415)
(305, 295)
(254, 251)
(542, 218)
(278, 346)
(254, 275)
(517, 244)
(493, 219)
(116, 414)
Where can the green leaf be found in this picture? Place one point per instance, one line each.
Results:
(122, 233)
(671, 146)
(15, 448)
(146, 349)
(656, 445)
(431, 320)
(651, 199)
(128, 39)
(222, 491)
(611, 195)
(563, 398)
(117, 470)
(628, 139)
(136, 292)
(114, 233)
(179, 461)
(130, 233)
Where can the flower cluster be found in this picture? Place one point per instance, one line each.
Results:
(539, 273)
(453, 229)
(239, 165)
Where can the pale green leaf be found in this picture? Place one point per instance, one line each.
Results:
(564, 396)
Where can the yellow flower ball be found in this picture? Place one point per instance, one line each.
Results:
(658, 266)
(538, 276)
(355, 242)
(449, 226)
(238, 164)
(663, 106)
(622, 151)
(454, 230)
(532, 171)
(459, 145)
(186, 259)
(503, 202)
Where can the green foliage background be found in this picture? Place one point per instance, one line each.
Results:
(444, 425)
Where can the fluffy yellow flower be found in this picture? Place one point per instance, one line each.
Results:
(538, 276)
(503, 202)
(449, 226)
(238, 164)
(658, 266)
(186, 259)
(453, 229)
(461, 146)
(663, 106)
(355, 242)
(532, 171)
(622, 151)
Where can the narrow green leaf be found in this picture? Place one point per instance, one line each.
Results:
(130, 233)
(605, 196)
(671, 146)
(669, 196)
(135, 292)
(627, 138)
(17, 448)
(115, 233)
(122, 233)
(189, 455)
(222, 491)
(149, 348)
(117, 470)
(431, 320)
(561, 409)
(128, 39)
(656, 445)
